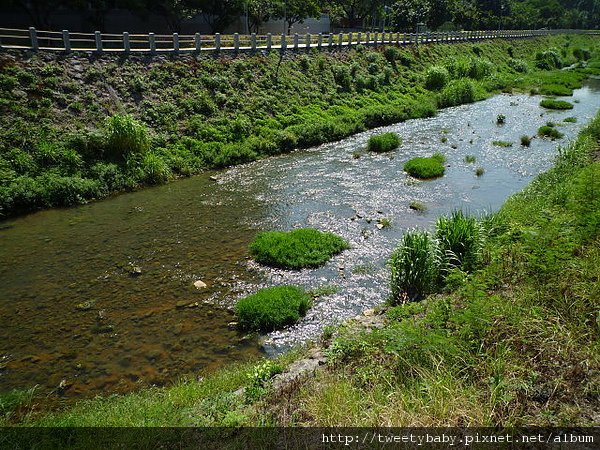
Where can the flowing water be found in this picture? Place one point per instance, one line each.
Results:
(101, 298)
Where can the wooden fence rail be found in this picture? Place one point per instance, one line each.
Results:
(66, 41)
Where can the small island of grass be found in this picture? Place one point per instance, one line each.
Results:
(385, 142)
(272, 308)
(555, 104)
(426, 168)
(296, 249)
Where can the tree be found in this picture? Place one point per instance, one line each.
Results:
(261, 11)
(350, 12)
(296, 11)
(407, 13)
(218, 14)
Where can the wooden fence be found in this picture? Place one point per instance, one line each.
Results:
(67, 41)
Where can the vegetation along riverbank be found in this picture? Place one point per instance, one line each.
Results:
(75, 128)
(503, 332)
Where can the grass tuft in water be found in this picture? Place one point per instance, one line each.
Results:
(479, 171)
(272, 308)
(417, 206)
(383, 142)
(555, 104)
(296, 249)
(426, 168)
(570, 120)
(470, 159)
(502, 144)
(525, 140)
(549, 132)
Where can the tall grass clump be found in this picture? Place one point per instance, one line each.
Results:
(436, 78)
(457, 92)
(426, 168)
(460, 239)
(296, 249)
(415, 267)
(125, 136)
(525, 141)
(550, 103)
(548, 60)
(272, 308)
(549, 132)
(518, 65)
(383, 142)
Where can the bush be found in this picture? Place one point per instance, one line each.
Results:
(126, 136)
(426, 168)
(154, 170)
(383, 142)
(342, 77)
(272, 308)
(436, 78)
(582, 54)
(296, 249)
(550, 132)
(415, 267)
(548, 60)
(525, 141)
(555, 104)
(518, 65)
(460, 239)
(457, 92)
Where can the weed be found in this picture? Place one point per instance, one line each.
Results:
(426, 168)
(525, 140)
(470, 159)
(502, 144)
(383, 142)
(550, 132)
(457, 92)
(479, 171)
(296, 249)
(417, 206)
(272, 308)
(125, 136)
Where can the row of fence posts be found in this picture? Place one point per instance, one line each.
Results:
(330, 41)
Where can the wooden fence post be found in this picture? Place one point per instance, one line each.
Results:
(66, 40)
(98, 37)
(236, 42)
(176, 42)
(359, 38)
(341, 39)
(126, 44)
(152, 42)
(198, 42)
(33, 38)
(217, 42)
(269, 41)
(350, 39)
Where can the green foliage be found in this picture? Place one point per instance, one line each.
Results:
(258, 377)
(460, 239)
(518, 65)
(570, 120)
(385, 142)
(272, 308)
(475, 68)
(582, 54)
(342, 77)
(415, 267)
(436, 78)
(555, 104)
(12, 400)
(296, 249)
(417, 206)
(556, 89)
(426, 168)
(525, 140)
(457, 92)
(126, 136)
(470, 159)
(550, 132)
(502, 143)
(479, 171)
(548, 60)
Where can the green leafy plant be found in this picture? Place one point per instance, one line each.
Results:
(457, 92)
(296, 249)
(125, 136)
(525, 140)
(436, 78)
(549, 132)
(479, 171)
(470, 159)
(460, 239)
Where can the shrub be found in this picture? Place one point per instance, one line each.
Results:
(460, 239)
(555, 104)
(391, 54)
(436, 78)
(480, 68)
(426, 168)
(272, 308)
(415, 267)
(582, 54)
(518, 65)
(457, 92)
(548, 60)
(296, 249)
(342, 77)
(383, 142)
(479, 171)
(501, 119)
(549, 132)
(125, 136)
(525, 141)
(154, 170)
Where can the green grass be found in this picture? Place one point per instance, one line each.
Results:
(417, 206)
(549, 132)
(570, 120)
(385, 142)
(525, 140)
(479, 171)
(502, 144)
(470, 159)
(461, 240)
(426, 168)
(297, 249)
(436, 78)
(555, 104)
(272, 308)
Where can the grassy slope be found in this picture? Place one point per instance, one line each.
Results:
(212, 112)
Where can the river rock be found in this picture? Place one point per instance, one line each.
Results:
(200, 284)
